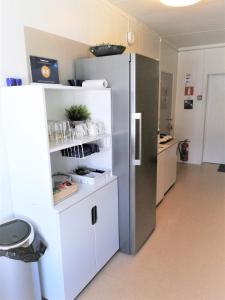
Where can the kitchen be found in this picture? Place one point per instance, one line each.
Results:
(27, 29)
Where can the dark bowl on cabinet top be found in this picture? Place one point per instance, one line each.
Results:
(107, 49)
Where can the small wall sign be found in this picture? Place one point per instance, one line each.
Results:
(189, 91)
(188, 104)
(188, 79)
(44, 70)
(199, 97)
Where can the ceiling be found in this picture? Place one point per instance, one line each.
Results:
(196, 25)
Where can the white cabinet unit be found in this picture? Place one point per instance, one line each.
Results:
(78, 251)
(106, 227)
(80, 239)
(160, 177)
(88, 240)
(166, 168)
(170, 167)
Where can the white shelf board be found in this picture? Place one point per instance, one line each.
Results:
(57, 87)
(58, 147)
(84, 190)
(68, 87)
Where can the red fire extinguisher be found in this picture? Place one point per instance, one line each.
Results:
(183, 148)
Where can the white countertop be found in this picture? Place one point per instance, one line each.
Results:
(163, 147)
(84, 190)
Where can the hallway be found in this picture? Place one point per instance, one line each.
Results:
(185, 257)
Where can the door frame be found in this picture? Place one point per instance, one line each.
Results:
(206, 107)
(172, 112)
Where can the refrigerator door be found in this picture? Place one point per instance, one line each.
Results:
(116, 70)
(143, 151)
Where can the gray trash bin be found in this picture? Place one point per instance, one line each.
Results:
(20, 242)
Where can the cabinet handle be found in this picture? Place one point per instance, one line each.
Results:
(94, 215)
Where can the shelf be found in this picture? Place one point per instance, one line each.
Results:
(58, 147)
(56, 87)
(69, 88)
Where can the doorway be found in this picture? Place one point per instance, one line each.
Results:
(166, 122)
(214, 137)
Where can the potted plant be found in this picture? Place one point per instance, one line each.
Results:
(77, 114)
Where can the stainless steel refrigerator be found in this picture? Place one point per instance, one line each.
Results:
(134, 80)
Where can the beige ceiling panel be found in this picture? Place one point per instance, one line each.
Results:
(198, 39)
(207, 15)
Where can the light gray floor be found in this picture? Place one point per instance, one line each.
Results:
(185, 257)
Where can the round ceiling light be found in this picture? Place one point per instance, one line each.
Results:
(179, 3)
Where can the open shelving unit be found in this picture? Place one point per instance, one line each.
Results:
(76, 142)
(32, 106)
(32, 162)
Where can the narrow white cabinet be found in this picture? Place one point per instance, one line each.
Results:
(76, 248)
(106, 224)
(89, 237)
(170, 166)
(160, 177)
(166, 168)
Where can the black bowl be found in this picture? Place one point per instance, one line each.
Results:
(107, 49)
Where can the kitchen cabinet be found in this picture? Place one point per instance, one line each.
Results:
(106, 227)
(166, 168)
(87, 243)
(76, 248)
(160, 177)
(170, 167)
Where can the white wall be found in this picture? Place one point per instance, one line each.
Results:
(189, 124)
(169, 64)
(87, 21)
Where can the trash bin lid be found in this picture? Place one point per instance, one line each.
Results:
(14, 233)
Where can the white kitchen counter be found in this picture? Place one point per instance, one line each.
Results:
(166, 168)
(163, 147)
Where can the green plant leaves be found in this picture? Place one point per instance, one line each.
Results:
(77, 113)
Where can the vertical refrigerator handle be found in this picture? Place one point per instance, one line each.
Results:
(137, 160)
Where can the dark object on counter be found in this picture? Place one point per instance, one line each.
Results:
(221, 168)
(107, 49)
(18, 241)
(80, 151)
(75, 82)
(84, 171)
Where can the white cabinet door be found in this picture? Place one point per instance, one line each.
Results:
(106, 227)
(170, 167)
(160, 177)
(78, 247)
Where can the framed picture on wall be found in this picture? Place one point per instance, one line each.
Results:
(188, 104)
(44, 70)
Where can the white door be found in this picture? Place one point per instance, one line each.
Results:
(106, 227)
(78, 247)
(214, 140)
